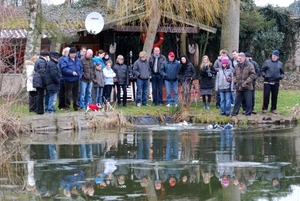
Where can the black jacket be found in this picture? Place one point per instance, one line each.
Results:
(206, 77)
(53, 76)
(186, 73)
(272, 71)
(122, 73)
(40, 68)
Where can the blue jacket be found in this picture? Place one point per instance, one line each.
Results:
(70, 181)
(169, 70)
(68, 66)
(99, 59)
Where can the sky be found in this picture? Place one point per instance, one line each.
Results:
(281, 3)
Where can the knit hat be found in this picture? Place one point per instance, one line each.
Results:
(275, 52)
(247, 54)
(224, 61)
(171, 54)
(54, 55)
(72, 50)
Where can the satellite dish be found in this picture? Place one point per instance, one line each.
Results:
(94, 23)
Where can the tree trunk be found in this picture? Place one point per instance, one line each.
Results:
(182, 44)
(33, 43)
(155, 15)
(231, 25)
(62, 22)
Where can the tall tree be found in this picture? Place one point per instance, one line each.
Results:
(33, 44)
(230, 25)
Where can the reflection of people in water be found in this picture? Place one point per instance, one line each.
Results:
(274, 175)
(72, 182)
(143, 146)
(172, 145)
(105, 169)
(119, 175)
(86, 152)
(158, 144)
(244, 177)
(143, 173)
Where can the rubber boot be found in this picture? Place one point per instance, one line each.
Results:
(204, 106)
(208, 106)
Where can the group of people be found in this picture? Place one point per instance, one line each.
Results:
(73, 76)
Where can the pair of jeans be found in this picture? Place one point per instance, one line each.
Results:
(172, 85)
(86, 152)
(98, 92)
(51, 148)
(157, 84)
(225, 103)
(143, 146)
(85, 94)
(172, 145)
(142, 91)
(51, 102)
(124, 88)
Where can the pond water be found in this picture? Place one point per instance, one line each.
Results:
(170, 162)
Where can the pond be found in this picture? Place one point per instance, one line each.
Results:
(169, 162)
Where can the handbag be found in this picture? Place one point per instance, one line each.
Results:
(228, 78)
(116, 79)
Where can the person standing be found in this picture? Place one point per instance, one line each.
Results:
(40, 68)
(71, 69)
(169, 71)
(207, 71)
(85, 89)
(82, 52)
(272, 72)
(122, 74)
(155, 61)
(217, 66)
(98, 83)
(53, 76)
(109, 75)
(61, 98)
(257, 74)
(141, 69)
(243, 77)
(99, 57)
(224, 85)
(29, 64)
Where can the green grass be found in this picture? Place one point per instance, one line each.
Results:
(287, 99)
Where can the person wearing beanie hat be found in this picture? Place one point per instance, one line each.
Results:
(272, 72)
(243, 77)
(169, 71)
(71, 70)
(224, 86)
(53, 76)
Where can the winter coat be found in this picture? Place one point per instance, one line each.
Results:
(141, 69)
(40, 68)
(169, 70)
(272, 71)
(257, 70)
(243, 76)
(68, 66)
(206, 77)
(222, 83)
(98, 80)
(122, 73)
(109, 75)
(99, 59)
(53, 76)
(88, 69)
(29, 75)
(161, 59)
(187, 74)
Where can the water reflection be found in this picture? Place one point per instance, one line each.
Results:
(144, 164)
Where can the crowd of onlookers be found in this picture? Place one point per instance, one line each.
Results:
(75, 76)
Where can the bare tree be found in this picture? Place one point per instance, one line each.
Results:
(33, 44)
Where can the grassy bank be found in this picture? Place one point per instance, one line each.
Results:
(288, 102)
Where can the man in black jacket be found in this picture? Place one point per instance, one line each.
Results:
(53, 76)
(272, 72)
